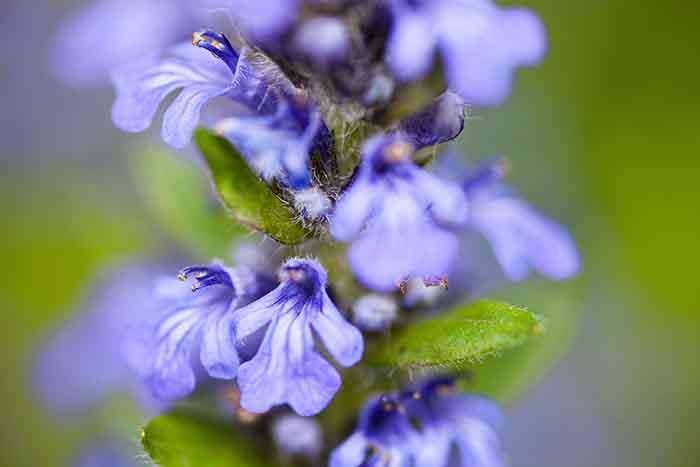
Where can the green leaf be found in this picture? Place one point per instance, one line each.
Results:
(180, 439)
(250, 200)
(181, 198)
(506, 378)
(458, 338)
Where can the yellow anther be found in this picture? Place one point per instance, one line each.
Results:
(399, 151)
(197, 38)
(182, 277)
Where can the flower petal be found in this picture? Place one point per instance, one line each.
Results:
(286, 369)
(182, 116)
(342, 339)
(401, 243)
(411, 43)
(218, 351)
(171, 371)
(350, 453)
(521, 238)
(353, 209)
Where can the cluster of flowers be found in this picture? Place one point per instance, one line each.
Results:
(283, 86)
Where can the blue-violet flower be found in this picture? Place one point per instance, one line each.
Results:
(479, 43)
(196, 317)
(398, 218)
(521, 238)
(287, 368)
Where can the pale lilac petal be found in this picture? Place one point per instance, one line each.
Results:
(257, 314)
(286, 369)
(143, 85)
(479, 444)
(446, 201)
(350, 453)
(522, 239)
(482, 48)
(342, 339)
(353, 209)
(110, 33)
(218, 349)
(182, 117)
(411, 43)
(401, 243)
(172, 376)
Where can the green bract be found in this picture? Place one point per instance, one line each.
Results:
(250, 200)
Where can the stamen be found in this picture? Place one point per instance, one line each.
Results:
(205, 277)
(218, 45)
(399, 151)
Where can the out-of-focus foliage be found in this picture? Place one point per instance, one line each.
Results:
(181, 440)
(183, 202)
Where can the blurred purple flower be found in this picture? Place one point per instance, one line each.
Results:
(479, 43)
(398, 218)
(287, 368)
(521, 238)
(323, 42)
(384, 437)
(297, 436)
(193, 318)
(262, 21)
(109, 33)
(84, 362)
(418, 427)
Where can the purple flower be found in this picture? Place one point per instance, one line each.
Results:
(277, 124)
(110, 33)
(398, 218)
(199, 317)
(277, 145)
(441, 121)
(84, 362)
(418, 428)
(323, 42)
(287, 368)
(384, 437)
(297, 436)
(263, 21)
(479, 43)
(520, 237)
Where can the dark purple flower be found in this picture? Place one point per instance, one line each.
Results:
(479, 43)
(384, 437)
(521, 238)
(441, 121)
(193, 318)
(418, 427)
(287, 368)
(398, 217)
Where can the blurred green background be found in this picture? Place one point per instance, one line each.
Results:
(603, 137)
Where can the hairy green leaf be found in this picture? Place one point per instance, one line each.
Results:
(179, 439)
(250, 200)
(458, 338)
(506, 378)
